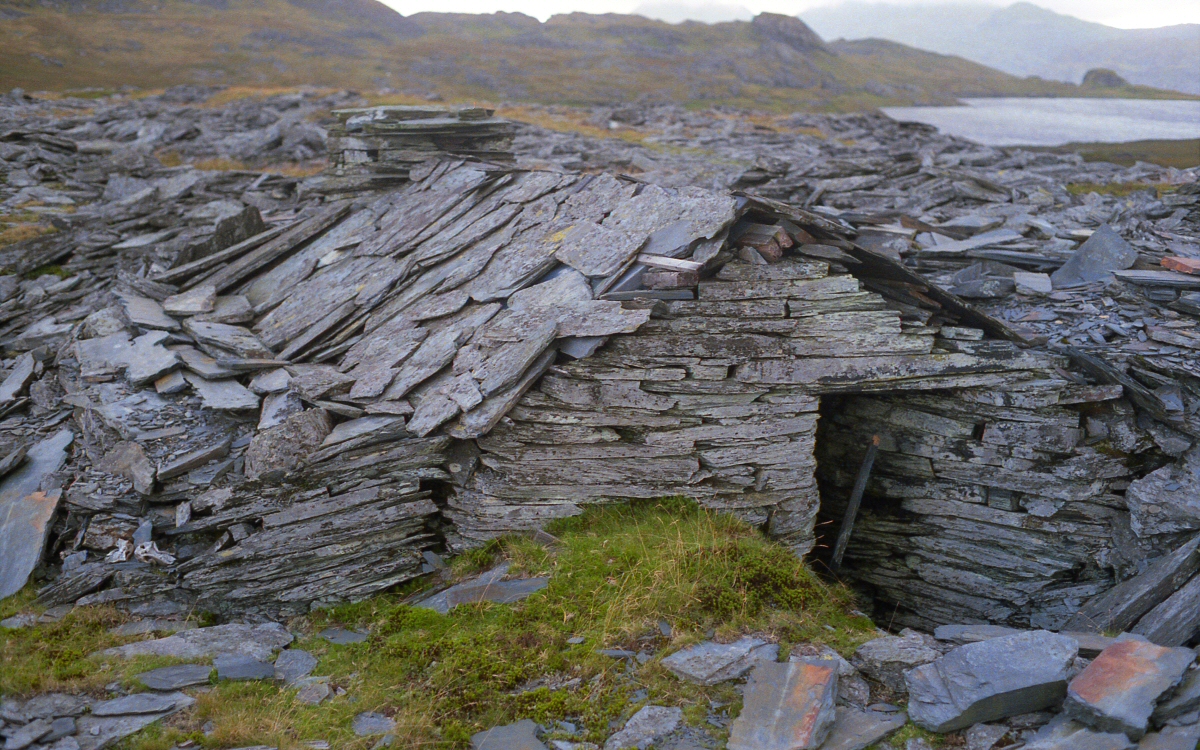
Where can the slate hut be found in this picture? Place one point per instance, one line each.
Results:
(486, 349)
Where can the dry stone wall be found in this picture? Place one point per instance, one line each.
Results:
(986, 505)
(715, 399)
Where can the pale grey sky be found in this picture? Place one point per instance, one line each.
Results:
(1126, 14)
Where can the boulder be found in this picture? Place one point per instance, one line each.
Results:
(991, 680)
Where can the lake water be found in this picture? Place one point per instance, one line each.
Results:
(1054, 122)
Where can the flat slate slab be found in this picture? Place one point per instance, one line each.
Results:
(709, 663)
(519, 736)
(648, 724)
(498, 592)
(440, 601)
(238, 667)
(94, 732)
(787, 706)
(176, 677)
(342, 637)
(259, 641)
(855, 729)
(1119, 690)
(138, 703)
(1090, 644)
(991, 680)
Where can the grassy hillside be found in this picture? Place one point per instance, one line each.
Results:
(773, 62)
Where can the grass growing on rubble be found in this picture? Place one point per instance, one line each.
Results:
(617, 573)
(57, 656)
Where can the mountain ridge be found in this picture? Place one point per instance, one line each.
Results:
(771, 62)
(1024, 39)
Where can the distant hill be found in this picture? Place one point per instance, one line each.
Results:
(1024, 40)
(773, 61)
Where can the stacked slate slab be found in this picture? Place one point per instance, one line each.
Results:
(376, 147)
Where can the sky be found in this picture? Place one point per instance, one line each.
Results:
(1125, 14)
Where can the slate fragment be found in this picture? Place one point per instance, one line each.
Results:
(128, 459)
(709, 663)
(1095, 260)
(990, 680)
(240, 667)
(175, 677)
(521, 735)
(1183, 700)
(1063, 733)
(223, 395)
(26, 513)
(648, 724)
(1122, 605)
(137, 703)
(1119, 690)
(1175, 621)
(259, 641)
(293, 664)
(787, 706)
(886, 659)
(371, 723)
(1172, 738)
(94, 731)
(855, 729)
(280, 449)
(342, 637)
(498, 592)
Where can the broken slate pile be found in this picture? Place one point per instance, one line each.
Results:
(1045, 690)
(58, 721)
(255, 397)
(375, 148)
